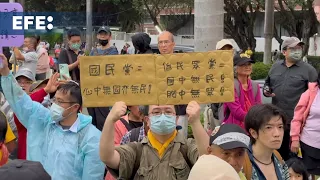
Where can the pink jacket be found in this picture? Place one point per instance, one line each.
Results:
(43, 61)
(237, 108)
(301, 112)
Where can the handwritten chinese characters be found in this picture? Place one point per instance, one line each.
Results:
(157, 79)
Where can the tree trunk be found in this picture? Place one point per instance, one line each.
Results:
(208, 24)
(268, 31)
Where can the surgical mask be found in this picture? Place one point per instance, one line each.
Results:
(75, 46)
(163, 124)
(295, 55)
(56, 112)
(103, 42)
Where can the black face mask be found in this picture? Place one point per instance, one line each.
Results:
(103, 42)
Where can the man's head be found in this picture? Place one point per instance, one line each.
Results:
(316, 8)
(166, 43)
(30, 43)
(230, 144)
(265, 124)
(67, 101)
(162, 119)
(104, 35)
(141, 42)
(292, 49)
(242, 65)
(135, 112)
(210, 167)
(224, 44)
(74, 38)
(25, 78)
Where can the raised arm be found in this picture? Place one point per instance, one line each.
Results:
(200, 135)
(108, 154)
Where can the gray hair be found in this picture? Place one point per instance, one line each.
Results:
(235, 73)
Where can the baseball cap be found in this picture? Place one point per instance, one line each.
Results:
(105, 29)
(23, 169)
(210, 167)
(222, 43)
(36, 84)
(291, 42)
(240, 59)
(26, 73)
(230, 136)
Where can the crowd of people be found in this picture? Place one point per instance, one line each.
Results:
(45, 134)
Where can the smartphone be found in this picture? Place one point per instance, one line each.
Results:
(64, 70)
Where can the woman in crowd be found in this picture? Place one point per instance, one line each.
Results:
(247, 92)
(305, 128)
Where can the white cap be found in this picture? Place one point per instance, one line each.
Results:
(222, 43)
(210, 167)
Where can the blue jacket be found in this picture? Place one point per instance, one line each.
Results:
(64, 154)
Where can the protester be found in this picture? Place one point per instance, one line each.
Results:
(43, 66)
(124, 50)
(166, 45)
(99, 114)
(63, 140)
(70, 54)
(104, 37)
(224, 44)
(230, 144)
(210, 167)
(6, 109)
(141, 42)
(265, 124)
(166, 154)
(22, 169)
(29, 57)
(246, 92)
(297, 170)
(305, 130)
(7, 140)
(286, 81)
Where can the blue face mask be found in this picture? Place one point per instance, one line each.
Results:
(163, 124)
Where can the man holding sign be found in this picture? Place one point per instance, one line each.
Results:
(61, 138)
(175, 155)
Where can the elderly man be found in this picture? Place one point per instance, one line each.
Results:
(166, 45)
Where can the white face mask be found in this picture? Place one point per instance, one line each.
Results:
(57, 112)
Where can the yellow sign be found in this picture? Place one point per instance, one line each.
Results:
(157, 79)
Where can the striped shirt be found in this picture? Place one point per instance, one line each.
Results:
(6, 109)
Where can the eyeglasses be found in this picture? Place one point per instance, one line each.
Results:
(24, 82)
(54, 100)
(159, 113)
(166, 42)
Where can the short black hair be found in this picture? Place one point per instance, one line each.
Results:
(3, 127)
(33, 41)
(298, 167)
(261, 114)
(74, 90)
(73, 32)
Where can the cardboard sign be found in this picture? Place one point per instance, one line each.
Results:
(157, 79)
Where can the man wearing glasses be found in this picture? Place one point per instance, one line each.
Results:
(286, 81)
(163, 153)
(63, 140)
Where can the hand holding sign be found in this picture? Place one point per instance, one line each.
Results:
(8, 36)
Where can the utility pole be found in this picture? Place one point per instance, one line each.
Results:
(268, 30)
(89, 25)
(209, 24)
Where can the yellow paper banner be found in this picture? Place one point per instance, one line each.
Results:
(157, 79)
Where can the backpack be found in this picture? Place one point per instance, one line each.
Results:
(134, 137)
(138, 147)
(219, 114)
(247, 166)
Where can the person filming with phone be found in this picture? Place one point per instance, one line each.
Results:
(69, 56)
